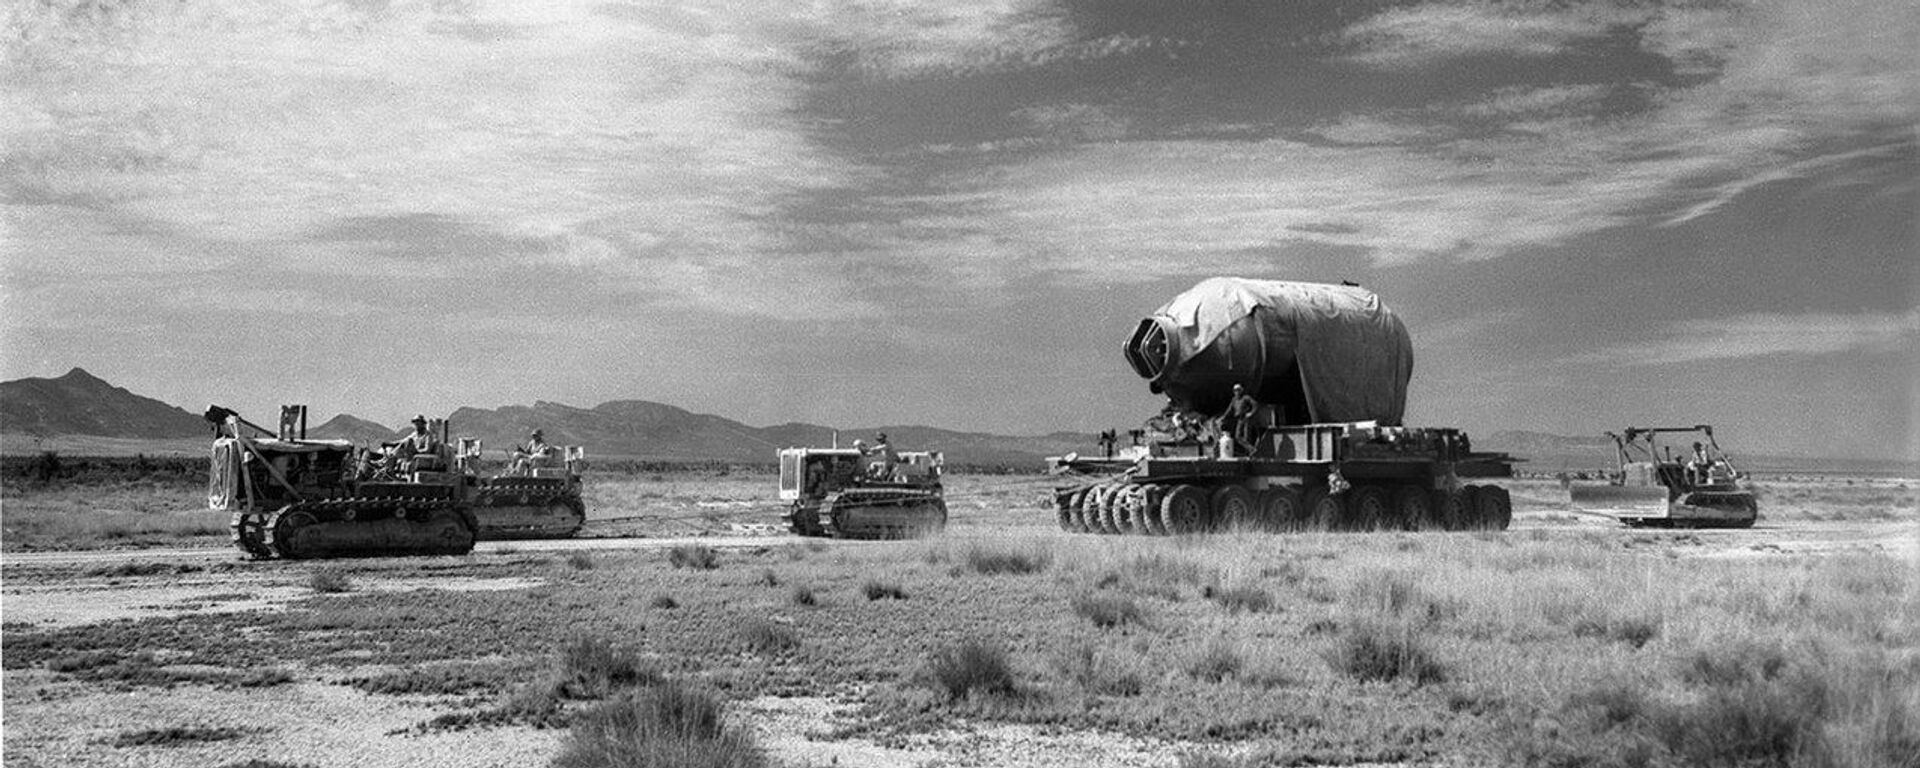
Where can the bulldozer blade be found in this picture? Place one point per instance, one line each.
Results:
(1621, 501)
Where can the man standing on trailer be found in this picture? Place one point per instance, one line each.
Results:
(1238, 419)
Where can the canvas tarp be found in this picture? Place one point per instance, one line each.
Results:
(1355, 357)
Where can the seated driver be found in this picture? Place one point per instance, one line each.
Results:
(536, 453)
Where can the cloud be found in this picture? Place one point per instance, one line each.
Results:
(1763, 335)
(1418, 36)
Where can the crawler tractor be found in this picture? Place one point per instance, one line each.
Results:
(1327, 367)
(296, 498)
(835, 493)
(1651, 487)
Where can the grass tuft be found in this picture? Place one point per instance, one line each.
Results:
(592, 668)
(176, 736)
(329, 580)
(1247, 598)
(763, 636)
(969, 667)
(670, 724)
(1374, 651)
(580, 561)
(804, 595)
(998, 561)
(877, 590)
(1218, 661)
(663, 603)
(698, 557)
(1107, 610)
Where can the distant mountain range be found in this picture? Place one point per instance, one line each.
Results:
(81, 404)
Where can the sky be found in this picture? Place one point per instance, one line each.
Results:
(1590, 215)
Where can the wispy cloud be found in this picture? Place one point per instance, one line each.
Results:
(1421, 35)
(1763, 335)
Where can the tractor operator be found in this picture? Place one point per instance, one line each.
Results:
(536, 453)
(888, 457)
(421, 442)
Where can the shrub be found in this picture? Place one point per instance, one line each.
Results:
(991, 562)
(580, 561)
(329, 580)
(1373, 651)
(161, 737)
(666, 725)
(971, 666)
(1100, 673)
(591, 668)
(1218, 661)
(769, 578)
(762, 636)
(804, 595)
(664, 602)
(875, 590)
(695, 556)
(1243, 598)
(1107, 610)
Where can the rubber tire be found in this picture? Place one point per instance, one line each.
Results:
(1133, 500)
(1493, 509)
(1090, 509)
(1063, 505)
(1414, 505)
(1150, 509)
(1184, 510)
(1372, 508)
(1281, 508)
(1105, 509)
(1232, 509)
(1462, 505)
(1077, 511)
(1324, 511)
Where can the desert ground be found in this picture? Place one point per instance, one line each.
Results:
(683, 628)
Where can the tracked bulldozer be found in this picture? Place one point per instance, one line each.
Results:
(297, 498)
(833, 492)
(1650, 486)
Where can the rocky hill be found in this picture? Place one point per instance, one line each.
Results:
(80, 403)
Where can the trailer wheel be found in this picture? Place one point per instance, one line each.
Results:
(1110, 520)
(1133, 499)
(1233, 509)
(1281, 509)
(1150, 501)
(1493, 509)
(1077, 511)
(1372, 508)
(1324, 510)
(1457, 514)
(1184, 509)
(1090, 509)
(1414, 505)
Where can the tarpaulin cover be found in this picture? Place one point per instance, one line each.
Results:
(1355, 357)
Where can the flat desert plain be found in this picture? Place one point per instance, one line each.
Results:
(683, 628)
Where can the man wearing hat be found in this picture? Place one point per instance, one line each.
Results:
(421, 441)
(888, 457)
(536, 453)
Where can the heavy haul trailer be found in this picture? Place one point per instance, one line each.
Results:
(1328, 367)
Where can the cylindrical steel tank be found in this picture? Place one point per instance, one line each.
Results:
(1320, 353)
